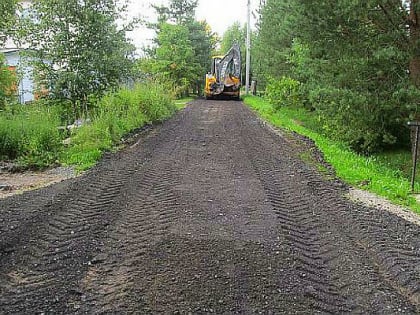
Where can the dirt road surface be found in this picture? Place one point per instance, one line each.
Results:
(210, 212)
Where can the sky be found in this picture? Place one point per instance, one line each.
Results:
(219, 14)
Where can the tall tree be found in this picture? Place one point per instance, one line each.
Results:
(178, 11)
(175, 56)
(276, 30)
(236, 33)
(79, 48)
(350, 59)
(203, 42)
(183, 11)
(414, 24)
(200, 40)
(8, 15)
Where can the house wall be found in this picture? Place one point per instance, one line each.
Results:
(26, 84)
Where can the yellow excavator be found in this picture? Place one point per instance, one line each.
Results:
(224, 79)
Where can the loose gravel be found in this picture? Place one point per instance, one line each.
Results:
(211, 212)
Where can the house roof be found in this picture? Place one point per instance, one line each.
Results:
(8, 50)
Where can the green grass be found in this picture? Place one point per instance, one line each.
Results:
(378, 174)
(29, 135)
(398, 160)
(117, 114)
(182, 102)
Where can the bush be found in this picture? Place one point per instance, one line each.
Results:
(283, 92)
(30, 135)
(362, 121)
(114, 115)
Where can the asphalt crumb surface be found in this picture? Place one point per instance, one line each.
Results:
(210, 212)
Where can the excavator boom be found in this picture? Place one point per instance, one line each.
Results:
(225, 76)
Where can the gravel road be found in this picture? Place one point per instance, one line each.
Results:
(210, 212)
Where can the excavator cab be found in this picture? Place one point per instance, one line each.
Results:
(224, 77)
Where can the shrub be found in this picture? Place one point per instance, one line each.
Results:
(283, 92)
(361, 120)
(30, 135)
(116, 114)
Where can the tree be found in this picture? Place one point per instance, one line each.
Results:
(8, 15)
(195, 39)
(350, 59)
(414, 24)
(236, 33)
(203, 42)
(276, 30)
(183, 11)
(79, 49)
(7, 79)
(175, 56)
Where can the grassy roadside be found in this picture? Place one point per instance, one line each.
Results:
(115, 115)
(34, 136)
(368, 173)
(183, 102)
(119, 113)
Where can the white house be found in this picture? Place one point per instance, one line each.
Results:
(15, 59)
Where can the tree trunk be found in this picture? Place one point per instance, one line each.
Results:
(414, 18)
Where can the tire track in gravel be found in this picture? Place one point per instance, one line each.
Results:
(298, 224)
(314, 219)
(63, 248)
(151, 209)
(212, 212)
(52, 256)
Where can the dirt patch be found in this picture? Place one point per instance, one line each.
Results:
(372, 200)
(12, 183)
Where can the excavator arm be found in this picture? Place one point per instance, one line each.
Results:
(225, 76)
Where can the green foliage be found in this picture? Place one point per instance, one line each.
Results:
(203, 42)
(372, 174)
(283, 92)
(351, 59)
(30, 135)
(175, 56)
(115, 115)
(178, 11)
(80, 50)
(236, 33)
(7, 79)
(182, 10)
(358, 120)
(7, 9)
(183, 47)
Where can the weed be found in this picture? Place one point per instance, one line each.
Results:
(29, 134)
(115, 115)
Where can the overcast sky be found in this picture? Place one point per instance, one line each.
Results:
(219, 14)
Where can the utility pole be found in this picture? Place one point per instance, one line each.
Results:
(248, 47)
